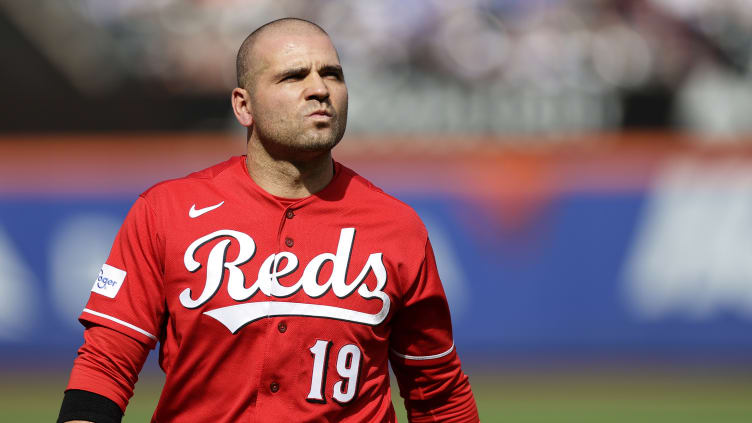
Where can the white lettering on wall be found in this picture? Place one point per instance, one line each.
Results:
(692, 253)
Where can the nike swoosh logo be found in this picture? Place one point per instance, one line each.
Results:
(194, 212)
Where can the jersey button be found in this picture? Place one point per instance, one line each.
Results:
(289, 242)
(289, 214)
(281, 327)
(274, 386)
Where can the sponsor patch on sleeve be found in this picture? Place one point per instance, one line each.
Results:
(109, 281)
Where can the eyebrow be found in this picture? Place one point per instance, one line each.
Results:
(300, 70)
(336, 69)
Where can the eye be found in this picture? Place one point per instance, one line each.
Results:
(293, 77)
(332, 75)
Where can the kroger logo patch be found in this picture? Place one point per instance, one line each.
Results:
(109, 281)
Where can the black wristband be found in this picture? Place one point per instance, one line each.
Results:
(85, 405)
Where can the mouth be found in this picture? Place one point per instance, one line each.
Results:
(320, 114)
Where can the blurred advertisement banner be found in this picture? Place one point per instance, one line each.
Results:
(606, 249)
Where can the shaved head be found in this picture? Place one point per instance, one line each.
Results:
(247, 61)
(291, 92)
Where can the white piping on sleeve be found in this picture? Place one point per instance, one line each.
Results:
(424, 357)
(116, 320)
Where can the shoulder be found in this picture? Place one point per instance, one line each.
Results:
(383, 205)
(190, 182)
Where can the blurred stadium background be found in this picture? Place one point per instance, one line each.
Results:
(584, 168)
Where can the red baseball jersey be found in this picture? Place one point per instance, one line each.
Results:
(268, 308)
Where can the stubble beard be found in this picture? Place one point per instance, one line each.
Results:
(283, 139)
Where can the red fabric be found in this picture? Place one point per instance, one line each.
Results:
(434, 389)
(260, 312)
(108, 364)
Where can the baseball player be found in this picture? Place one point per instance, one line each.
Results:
(278, 284)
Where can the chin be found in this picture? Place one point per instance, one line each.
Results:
(319, 142)
(320, 146)
(307, 142)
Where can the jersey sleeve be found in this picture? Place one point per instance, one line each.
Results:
(423, 355)
(108, 364)
(128, 295)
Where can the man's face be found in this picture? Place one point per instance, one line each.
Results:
(298, 94)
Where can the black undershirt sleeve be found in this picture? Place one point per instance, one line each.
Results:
(85, 405)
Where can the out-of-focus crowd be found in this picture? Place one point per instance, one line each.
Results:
(477, 66)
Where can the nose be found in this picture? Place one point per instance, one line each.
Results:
(317, 88)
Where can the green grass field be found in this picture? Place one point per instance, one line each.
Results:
(613, 396)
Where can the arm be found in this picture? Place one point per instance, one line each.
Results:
(423, 355)
(123, 318)
(103, 376)
(435, 390)
(94, 408)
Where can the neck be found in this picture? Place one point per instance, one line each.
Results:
(289, 178)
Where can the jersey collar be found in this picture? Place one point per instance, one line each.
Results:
(333, 191)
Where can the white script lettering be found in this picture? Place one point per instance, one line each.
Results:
(271, 270)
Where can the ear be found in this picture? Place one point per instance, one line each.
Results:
(241, 105)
